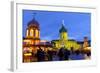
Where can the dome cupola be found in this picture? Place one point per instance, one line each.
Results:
(63, 29)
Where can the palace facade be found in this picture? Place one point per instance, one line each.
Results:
(32, 41)
(64, 41)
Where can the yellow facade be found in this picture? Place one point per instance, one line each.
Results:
(67, 45)
(64, 41)
(63, 36)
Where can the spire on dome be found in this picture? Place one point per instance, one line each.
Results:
(33, 22)
(34, 14)
(63, 22)
(63, 29)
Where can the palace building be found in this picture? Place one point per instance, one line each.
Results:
(64, 41)
(32, 41)
(32, 35)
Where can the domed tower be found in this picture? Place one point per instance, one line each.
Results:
(63, 35)
(33, 31)
(63, 32)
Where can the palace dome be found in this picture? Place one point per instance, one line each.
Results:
(33, 23)
(63, 29)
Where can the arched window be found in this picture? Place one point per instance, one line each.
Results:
(31, 32)
(37, 34)
(27, 33)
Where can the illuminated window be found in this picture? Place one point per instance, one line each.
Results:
(37, 33)
(31, 32)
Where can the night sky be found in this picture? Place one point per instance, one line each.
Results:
(78, 24)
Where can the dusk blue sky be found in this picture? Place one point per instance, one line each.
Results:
(78, 24)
